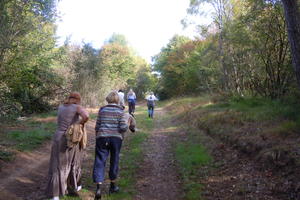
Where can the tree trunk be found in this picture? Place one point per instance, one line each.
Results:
(222, 61)
(292, 17)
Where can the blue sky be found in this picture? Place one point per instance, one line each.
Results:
(147, 24)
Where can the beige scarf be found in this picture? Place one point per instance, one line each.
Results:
(75, 134)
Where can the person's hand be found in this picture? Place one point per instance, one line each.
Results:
(82, 123)
(132, 128)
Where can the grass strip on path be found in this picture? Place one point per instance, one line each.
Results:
(191, 158)
(191, 155)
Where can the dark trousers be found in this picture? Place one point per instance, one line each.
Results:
(150, 110)
(131, 105)
(104, 146)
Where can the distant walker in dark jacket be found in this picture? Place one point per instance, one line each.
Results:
(110, 127)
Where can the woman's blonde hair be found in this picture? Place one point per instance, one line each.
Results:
(130, 91)
(112, 97)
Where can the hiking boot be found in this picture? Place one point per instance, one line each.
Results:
(98, 193)
(113, 188)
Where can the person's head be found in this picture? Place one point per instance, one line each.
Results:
(73, 98)
(120, 90)
(130, 91)
(151, 93)
(112, 97)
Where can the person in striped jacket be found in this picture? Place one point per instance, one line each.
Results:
(110, 128)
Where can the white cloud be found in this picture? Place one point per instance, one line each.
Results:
(147, 24)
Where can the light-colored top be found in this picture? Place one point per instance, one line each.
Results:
(151, 98)
(121, 99)
(131, 96)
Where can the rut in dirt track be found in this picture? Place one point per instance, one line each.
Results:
(158, 178)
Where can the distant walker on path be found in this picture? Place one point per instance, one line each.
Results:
(151, 104)
(121, 98)
(131, 98)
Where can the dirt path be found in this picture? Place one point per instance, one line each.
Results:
(158, 178)
(25, 177)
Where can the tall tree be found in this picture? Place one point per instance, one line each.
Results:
(292, 16)
(118, 39)
(222, 13)
(26, 52)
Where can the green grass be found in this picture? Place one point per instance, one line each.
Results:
(93, 116)
(191, 157)
(256, 109)
(226, 115)
(6, 155)
(52, 113)
(28, 134)
(30, 139)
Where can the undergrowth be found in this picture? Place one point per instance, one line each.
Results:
(248, 119)
(260, 108)
(221, 116)
(27, 134)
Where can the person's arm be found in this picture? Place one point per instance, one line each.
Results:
(83, 114)
(122, 124)
(132, 123)
(98, 122)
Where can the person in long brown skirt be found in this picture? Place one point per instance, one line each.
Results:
(65, 163)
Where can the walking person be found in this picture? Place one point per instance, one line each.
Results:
(121, 98)
(110, 128)
(151, 104)
(131, 98)
(65, 162)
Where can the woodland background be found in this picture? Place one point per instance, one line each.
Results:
(245, 52)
